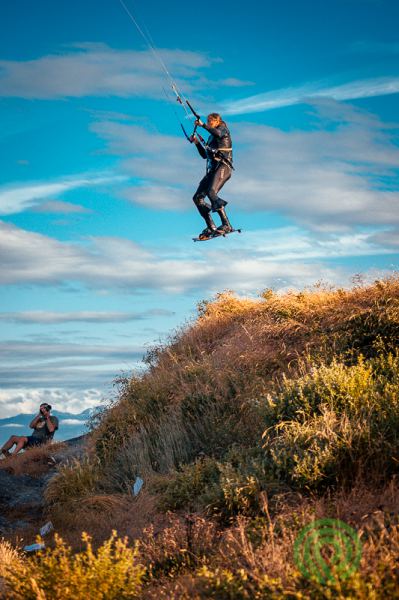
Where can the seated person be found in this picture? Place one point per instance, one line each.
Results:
(44, 426)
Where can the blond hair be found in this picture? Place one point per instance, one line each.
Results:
(216, 117)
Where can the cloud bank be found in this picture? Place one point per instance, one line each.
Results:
(274, 258)
(95, 70)
(18, 400)
(70, 366)
(48, 317)
(90, 69)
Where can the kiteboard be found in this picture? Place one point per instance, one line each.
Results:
(215, 235)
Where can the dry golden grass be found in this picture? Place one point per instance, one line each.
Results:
(184, 541)
(201, 389)
(99, 515)
(324, 361)
(254, 558)
(34, 461)
(9, 557)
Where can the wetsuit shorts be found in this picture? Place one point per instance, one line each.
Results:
(34, 441)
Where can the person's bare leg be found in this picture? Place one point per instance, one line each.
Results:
(20, 444)
(9, 444)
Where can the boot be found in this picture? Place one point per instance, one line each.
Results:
(210, 228)
(225, 227)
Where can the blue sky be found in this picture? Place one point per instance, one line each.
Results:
(96, 216)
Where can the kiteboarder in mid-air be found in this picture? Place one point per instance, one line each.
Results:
(218, 153)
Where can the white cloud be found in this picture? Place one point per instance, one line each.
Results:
(17, 198)
(158, 197)
(96, 69)
(17, 351)
(59, 207)
(389, 238)
(131, 139)
(170, 186)
(70, 366)
(338, 177)
(48, 317)
(234, 82)
(290, 244)
(26, 400)
(364, 88)
(70, 422)
(248, 261)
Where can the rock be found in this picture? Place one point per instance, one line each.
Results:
(20, 489)
(3, 524)
(21, 496)
(75, 447)
(7, 526)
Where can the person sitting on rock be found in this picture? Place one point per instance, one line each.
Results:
(44, 426)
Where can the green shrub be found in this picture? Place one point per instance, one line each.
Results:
(189, 488)
(378, 323)
(244, 477)
(222, 489)
(335, 423)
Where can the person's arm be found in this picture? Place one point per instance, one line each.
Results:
(35, 421)
(218, 132)
(199, 146)
(215, 131)
(50, 425)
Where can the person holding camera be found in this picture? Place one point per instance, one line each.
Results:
(44, 426)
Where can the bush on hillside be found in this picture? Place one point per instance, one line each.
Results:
(316, 371)
(73, 481)
(336, 423)
(112, 572)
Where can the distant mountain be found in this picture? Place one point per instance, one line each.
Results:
(70, 425)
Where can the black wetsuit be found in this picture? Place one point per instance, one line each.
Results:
(219, 156)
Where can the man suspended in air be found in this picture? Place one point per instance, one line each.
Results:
(218, 153)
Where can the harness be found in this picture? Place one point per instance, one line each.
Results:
(218, 156)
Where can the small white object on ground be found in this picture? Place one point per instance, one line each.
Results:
(34, 547)
(46, 528)
(138, 484)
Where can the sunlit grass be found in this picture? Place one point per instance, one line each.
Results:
(249, 423)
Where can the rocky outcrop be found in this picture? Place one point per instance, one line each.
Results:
(21, 496)
(23, 489)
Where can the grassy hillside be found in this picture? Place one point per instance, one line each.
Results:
(250, 423)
